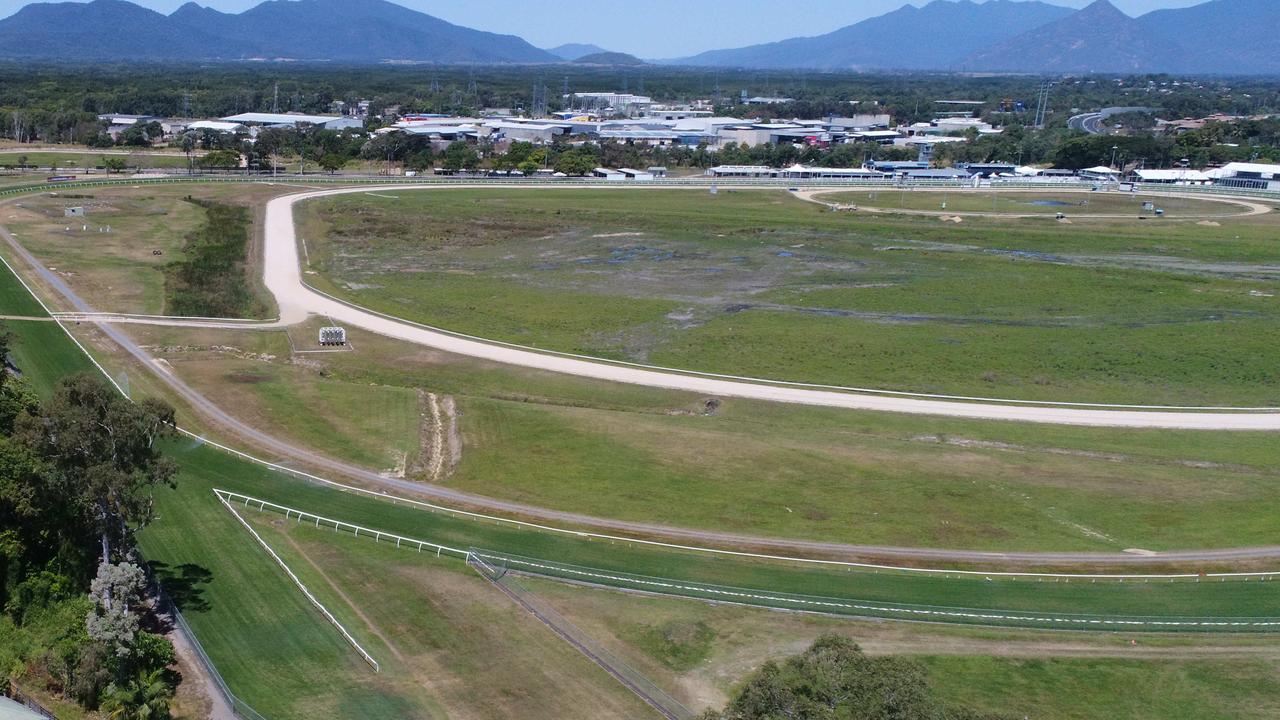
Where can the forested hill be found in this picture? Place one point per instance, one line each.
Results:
(363, 31)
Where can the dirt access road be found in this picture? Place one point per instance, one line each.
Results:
(282, 275)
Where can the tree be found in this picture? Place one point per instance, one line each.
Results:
(224, 159)
(101, 451)
(834, 680)
(116, 592)
(460, 156)
(188, 146)
(575, 163)
(145, 697)
(332, 162)
(113, 163)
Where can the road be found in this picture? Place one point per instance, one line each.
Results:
(283, 278)
(1092, 122)
(214, 414)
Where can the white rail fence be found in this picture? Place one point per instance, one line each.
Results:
(301, 586)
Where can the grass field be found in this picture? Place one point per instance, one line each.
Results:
(624, 452)
(763, 284)
(1047, 676)
(120, 270)
(1021, 202)
(748, 467)
(281, 657)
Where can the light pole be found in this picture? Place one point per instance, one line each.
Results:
(1114, 149)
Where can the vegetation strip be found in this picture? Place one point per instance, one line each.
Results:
(210, 281)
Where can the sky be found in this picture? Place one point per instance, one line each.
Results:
(648, 28)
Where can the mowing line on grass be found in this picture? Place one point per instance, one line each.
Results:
(312, 598)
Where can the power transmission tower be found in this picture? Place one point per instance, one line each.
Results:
(186, 103)
(435, 84)
(275, 99)
(539, 106)
(1042, 105)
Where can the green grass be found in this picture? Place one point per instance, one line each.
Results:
(759, 468)
(280, 656)
(42, 352)
(374, 425)
(758, 283)
(205, 468)
(1081, 689)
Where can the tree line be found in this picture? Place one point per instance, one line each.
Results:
(77, 476)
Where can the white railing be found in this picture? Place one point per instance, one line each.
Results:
(305, 591)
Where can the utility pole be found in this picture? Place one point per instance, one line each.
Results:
(275, 99)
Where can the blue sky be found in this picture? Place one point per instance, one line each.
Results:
(648, 28)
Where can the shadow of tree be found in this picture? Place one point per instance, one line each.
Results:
(184, 584)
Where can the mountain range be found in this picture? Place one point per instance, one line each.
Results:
(336, 30)
(1219, 36)
(1025, 36)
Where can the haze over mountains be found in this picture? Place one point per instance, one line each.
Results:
(1027, 36)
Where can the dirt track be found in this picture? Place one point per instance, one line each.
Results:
(296, 300)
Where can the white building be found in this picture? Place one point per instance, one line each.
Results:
(620, 103)
(1250, 176)
(1176, 176)
(747, 171)
(328, 122)
(217, 126)
(1101, 173)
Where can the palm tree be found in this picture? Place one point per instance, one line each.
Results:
(146, 697)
